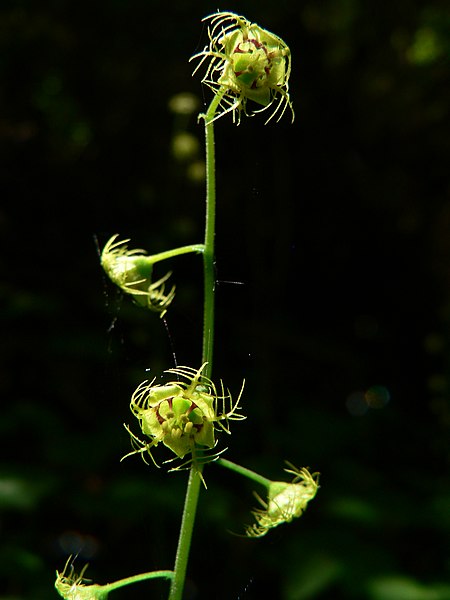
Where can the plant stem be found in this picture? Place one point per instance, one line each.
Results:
(175, 252)
(195, 475)
(109, 587)
(223, 462)
(210, 232)
(184, 540)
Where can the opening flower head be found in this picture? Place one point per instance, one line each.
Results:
(70, 586)
(285, 501)
(182, 415)
(131, 271)
(246, 62)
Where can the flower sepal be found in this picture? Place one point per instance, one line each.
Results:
(71, 586)
(131, 271)
(285, 501)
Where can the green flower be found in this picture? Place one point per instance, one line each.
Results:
(246, 62)
(131, 271)
(285, 501)
(182, 415)
(70, 586)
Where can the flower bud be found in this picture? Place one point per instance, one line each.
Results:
(70, 586)
(131, 271)
(285, 501)
(247, 62)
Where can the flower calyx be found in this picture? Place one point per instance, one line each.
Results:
(71, 586)
(285, 501)
(183, 415)
(131, 271)
(246, 62)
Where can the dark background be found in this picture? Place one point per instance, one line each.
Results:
(338, 227)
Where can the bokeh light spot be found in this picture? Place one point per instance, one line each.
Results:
(359, 402)
(377, 396)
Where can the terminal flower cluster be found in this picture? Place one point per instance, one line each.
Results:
(246, 62)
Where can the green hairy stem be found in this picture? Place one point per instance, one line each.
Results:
(195, 480)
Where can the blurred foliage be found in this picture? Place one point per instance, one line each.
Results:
(339, 229)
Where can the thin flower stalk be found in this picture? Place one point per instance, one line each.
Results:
(195, 475)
